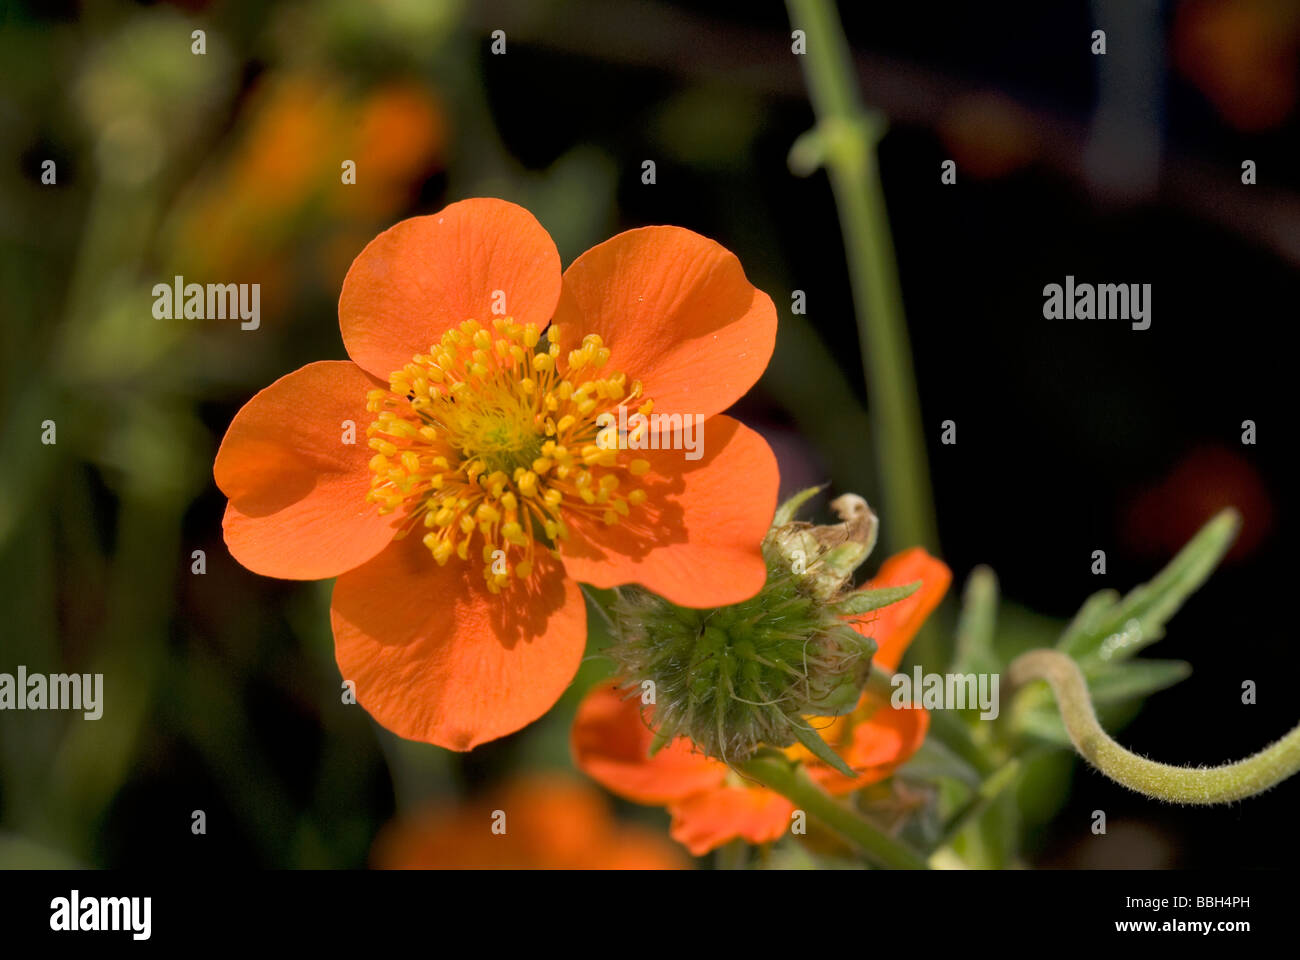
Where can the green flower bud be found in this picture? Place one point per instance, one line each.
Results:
(825, 557)
(734, 678)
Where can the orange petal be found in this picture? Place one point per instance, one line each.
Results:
(879, 739)
(436, 657)
(552, 823)
(706, 821)
(422, 276)
(611, 744)
(297, 492)
(696, 538)
(676, 312)
(894, 626)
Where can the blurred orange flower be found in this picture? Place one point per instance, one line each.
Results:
(281, 184)
(710, 804)
(488, 465)
(1164, 516)
(1243, 55)
(550, 822)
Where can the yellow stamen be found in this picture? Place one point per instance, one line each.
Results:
(493, 438)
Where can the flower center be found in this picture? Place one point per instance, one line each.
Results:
(490, 437)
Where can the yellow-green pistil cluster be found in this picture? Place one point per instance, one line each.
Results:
(485, 437)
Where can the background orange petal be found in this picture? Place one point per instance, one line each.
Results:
(894, 626)
(552, 822)
(297, 492)
(424, 275)
(611, 744)
(437, 658)
(706, 821)
(676, 312)
(696, 539)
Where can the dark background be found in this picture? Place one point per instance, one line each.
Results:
(1072, 435)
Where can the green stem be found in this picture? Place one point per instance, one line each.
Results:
(733, 856)
(790, 780)
(1194, 785)
(988, 791)
(847, 148)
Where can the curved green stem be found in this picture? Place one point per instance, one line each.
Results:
(1194, 785)
(790, 780)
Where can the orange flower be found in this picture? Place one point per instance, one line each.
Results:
(550, 822)
(712, 805)
(487, 489)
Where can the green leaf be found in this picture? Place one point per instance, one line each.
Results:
(1087, 619)
(1137, 678)
(660, 741)
(1138, 620)
(975, 627)
(864, 601)
(819, 748)
(933, 760)
(786, 511)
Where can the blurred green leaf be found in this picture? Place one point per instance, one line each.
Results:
(975, 628)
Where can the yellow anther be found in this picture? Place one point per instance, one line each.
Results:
(639, 468)
(471, 431)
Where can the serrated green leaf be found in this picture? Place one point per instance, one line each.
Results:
(864, 601)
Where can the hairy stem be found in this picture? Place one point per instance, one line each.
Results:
(1193, 785)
